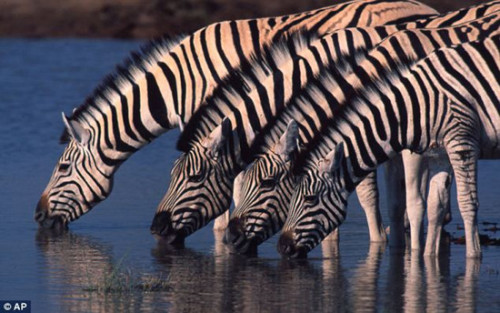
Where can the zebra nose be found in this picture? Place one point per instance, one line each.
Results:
(41, 209)
(161, 224)
(238, 241)
(234, 232)
(287, 247)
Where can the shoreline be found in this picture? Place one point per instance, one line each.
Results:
(135, 19)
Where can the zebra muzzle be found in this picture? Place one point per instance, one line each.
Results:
(161, 224)
(162, 229)
(237, 240)
(289, 249)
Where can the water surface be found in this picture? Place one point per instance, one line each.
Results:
(41, 78)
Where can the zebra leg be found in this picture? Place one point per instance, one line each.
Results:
(221, 221)
(330, 245)
(463, 154)
(333, 236)
(438, 203)
(368, 198)
(416, 174)
(395, 192)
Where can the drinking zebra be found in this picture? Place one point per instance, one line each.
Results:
(448, 99)
(203, 176)
(267, 184)
(170, 79)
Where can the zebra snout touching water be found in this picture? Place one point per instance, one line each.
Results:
(42, 216)
(186, 207)
(262, 191)
(236, 238)
(457, 86)
(73, 190)
(163, 230)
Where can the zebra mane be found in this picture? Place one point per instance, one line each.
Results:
(241, 81)
(369, 91)
(137, 63)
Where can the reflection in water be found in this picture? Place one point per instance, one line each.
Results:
(218, 281)
(414, 284)
(228, 282)
(437, 275)
(74, 263)
(467, 287)
(365, 282)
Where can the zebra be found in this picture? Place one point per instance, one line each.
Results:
(449, 98)
(167, 82)
(264, 189)
(202, 178)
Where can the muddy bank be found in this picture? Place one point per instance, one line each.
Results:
(146, 19)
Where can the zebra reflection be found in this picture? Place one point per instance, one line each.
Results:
(226, 282)
(74, 264)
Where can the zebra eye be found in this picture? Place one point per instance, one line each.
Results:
(268, 183)
(196, 178)
(310, 199)
(63, 167)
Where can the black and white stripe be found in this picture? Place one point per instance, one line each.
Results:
(251, 105)
(144, 98)
(266, 186)
(449, 99)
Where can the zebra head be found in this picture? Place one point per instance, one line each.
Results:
(262, 194)
(79, 181)
(200, 187)
(317, 206)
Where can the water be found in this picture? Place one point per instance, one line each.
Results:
(41, 78)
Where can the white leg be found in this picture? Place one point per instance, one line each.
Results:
(333, 236)
(368, 198)
(395, 192)
(221, 221)
(330, 245)
(437, 205)
(415, 177)
(219, 247)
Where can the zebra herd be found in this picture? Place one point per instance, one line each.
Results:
(287, 116)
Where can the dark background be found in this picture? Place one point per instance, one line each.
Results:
(147, 19)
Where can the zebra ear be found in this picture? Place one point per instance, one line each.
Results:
(218, 137)
(288, 141)
(76, 130)
(332, 160)
(238, 184)
(181, 123)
